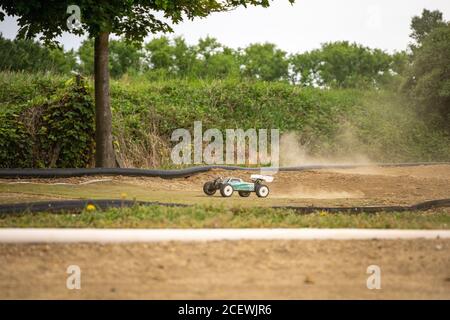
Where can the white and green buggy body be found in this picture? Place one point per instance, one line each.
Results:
(228, 185)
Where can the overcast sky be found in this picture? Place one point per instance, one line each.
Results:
(300, 27)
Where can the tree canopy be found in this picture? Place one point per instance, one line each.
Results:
(428, 78)
(31, 56)
(423, 25)
(342, 64)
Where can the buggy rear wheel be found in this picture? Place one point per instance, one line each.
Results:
(262, 190)
(209, 189)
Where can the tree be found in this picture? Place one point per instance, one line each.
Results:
(123, 57)
(422, 26)
(86, 55)
(265, 62)
(343, 65)
(160, 53)
(29, 55)
(215, 60)
(429, 79)
(306, 68)
(428, 75)
(184, 56)
(400, 62)
(207, 59)
(132, 19)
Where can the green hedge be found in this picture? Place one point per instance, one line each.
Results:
(332, 124)
(50, 125)
(48, 120)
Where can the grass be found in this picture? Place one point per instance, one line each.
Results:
(205, 216)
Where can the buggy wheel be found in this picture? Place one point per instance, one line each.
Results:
(208, 188)
(244, 193)
(261, 190)
(226, 190)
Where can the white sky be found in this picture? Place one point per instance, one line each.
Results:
(300, 27)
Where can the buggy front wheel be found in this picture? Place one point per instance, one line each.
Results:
(226, 190)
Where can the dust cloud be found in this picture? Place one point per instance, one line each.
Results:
(346, 149)
(295, 152)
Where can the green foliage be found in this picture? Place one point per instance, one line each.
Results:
(86, 55)
(214, 60)
(224, 104)
(222, 217)
(175, 59)
(379, 125)
(161, 53)
(54, 128)
(342, 65)
(337, 64)
(17, 89)
(265, 62)
(428, 78)
(124, 57)
(424, 24)
(15, 145)
(66, 131)
(28, 55)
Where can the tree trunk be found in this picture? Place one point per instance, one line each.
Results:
(104, 152)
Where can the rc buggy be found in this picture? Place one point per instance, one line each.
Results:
(228, 185)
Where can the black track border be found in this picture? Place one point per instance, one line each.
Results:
(28, 173)
(60, 206)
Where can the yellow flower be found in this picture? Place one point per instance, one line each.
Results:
(90, 207)
(323, 213)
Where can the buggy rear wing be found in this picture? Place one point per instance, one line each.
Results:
(256, 177)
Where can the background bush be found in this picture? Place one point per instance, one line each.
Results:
(49, 120)
(334, 123)
(45, 122)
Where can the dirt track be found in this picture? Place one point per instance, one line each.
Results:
(361, 186)
(242, 270)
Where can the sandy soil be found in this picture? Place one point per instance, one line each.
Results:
(359, 186)
(233, 270)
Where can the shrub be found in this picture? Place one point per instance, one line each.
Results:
(54, 128)
(48, 121)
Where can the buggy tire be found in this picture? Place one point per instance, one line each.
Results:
(226, 190)
(261, 190)
(209, 189)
